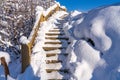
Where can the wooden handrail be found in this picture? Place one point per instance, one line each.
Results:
(26, 49)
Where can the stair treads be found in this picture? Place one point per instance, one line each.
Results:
(53, 61)
(54, 66)
(57, 57)
(56, 51)
(55, 38)
(55, 54)
(56, 45)
(58, 70)
(56, 30)
(53, 48)
(48, 40)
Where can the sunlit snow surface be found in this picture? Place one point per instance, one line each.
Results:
(94, 50)
(100, 60)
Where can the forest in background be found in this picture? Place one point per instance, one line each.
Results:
(17, 18)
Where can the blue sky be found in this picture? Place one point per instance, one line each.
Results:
(85, 5)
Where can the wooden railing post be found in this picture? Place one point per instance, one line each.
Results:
(6, 69)
(25, 52)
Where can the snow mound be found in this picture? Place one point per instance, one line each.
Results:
(24, 40)
(6, 56)
(75, 13)
(96, 37)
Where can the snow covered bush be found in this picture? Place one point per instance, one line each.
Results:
(6, 56)
(96, 38)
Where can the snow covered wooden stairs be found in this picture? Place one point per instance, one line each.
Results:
(55, 46)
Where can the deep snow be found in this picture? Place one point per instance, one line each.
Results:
(94, 51)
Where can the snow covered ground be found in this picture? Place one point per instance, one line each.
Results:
(93, 52)
(95, 36)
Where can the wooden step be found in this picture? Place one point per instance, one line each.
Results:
(56, 30)
(53, 61)
(63, 36)
(57, 57)
(58, 70)
(54, 54)
(53, 48)
(52, 34)
(55, 38)
(56, 65)
(48, 41)
(56, 51)
(53, 42)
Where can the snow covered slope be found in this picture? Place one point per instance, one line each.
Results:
(94, 52)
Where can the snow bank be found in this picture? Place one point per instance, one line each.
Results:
(6, 56)
(75, 13)
(10, 78)
(95, 43)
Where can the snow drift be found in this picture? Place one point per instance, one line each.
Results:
(95, 45)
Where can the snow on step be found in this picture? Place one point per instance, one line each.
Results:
(49, 41)
(54, 66)
(56, 30)
(55, 34)
(57, 75)
(57, 37)
(54, 54)
(59, 70)
(57, 57)
(56, 51)
(55, 40)
(53, 61)
(54, 46)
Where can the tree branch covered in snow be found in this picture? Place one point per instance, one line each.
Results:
(17, 18)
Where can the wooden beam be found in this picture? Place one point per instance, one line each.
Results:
(6, 69)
